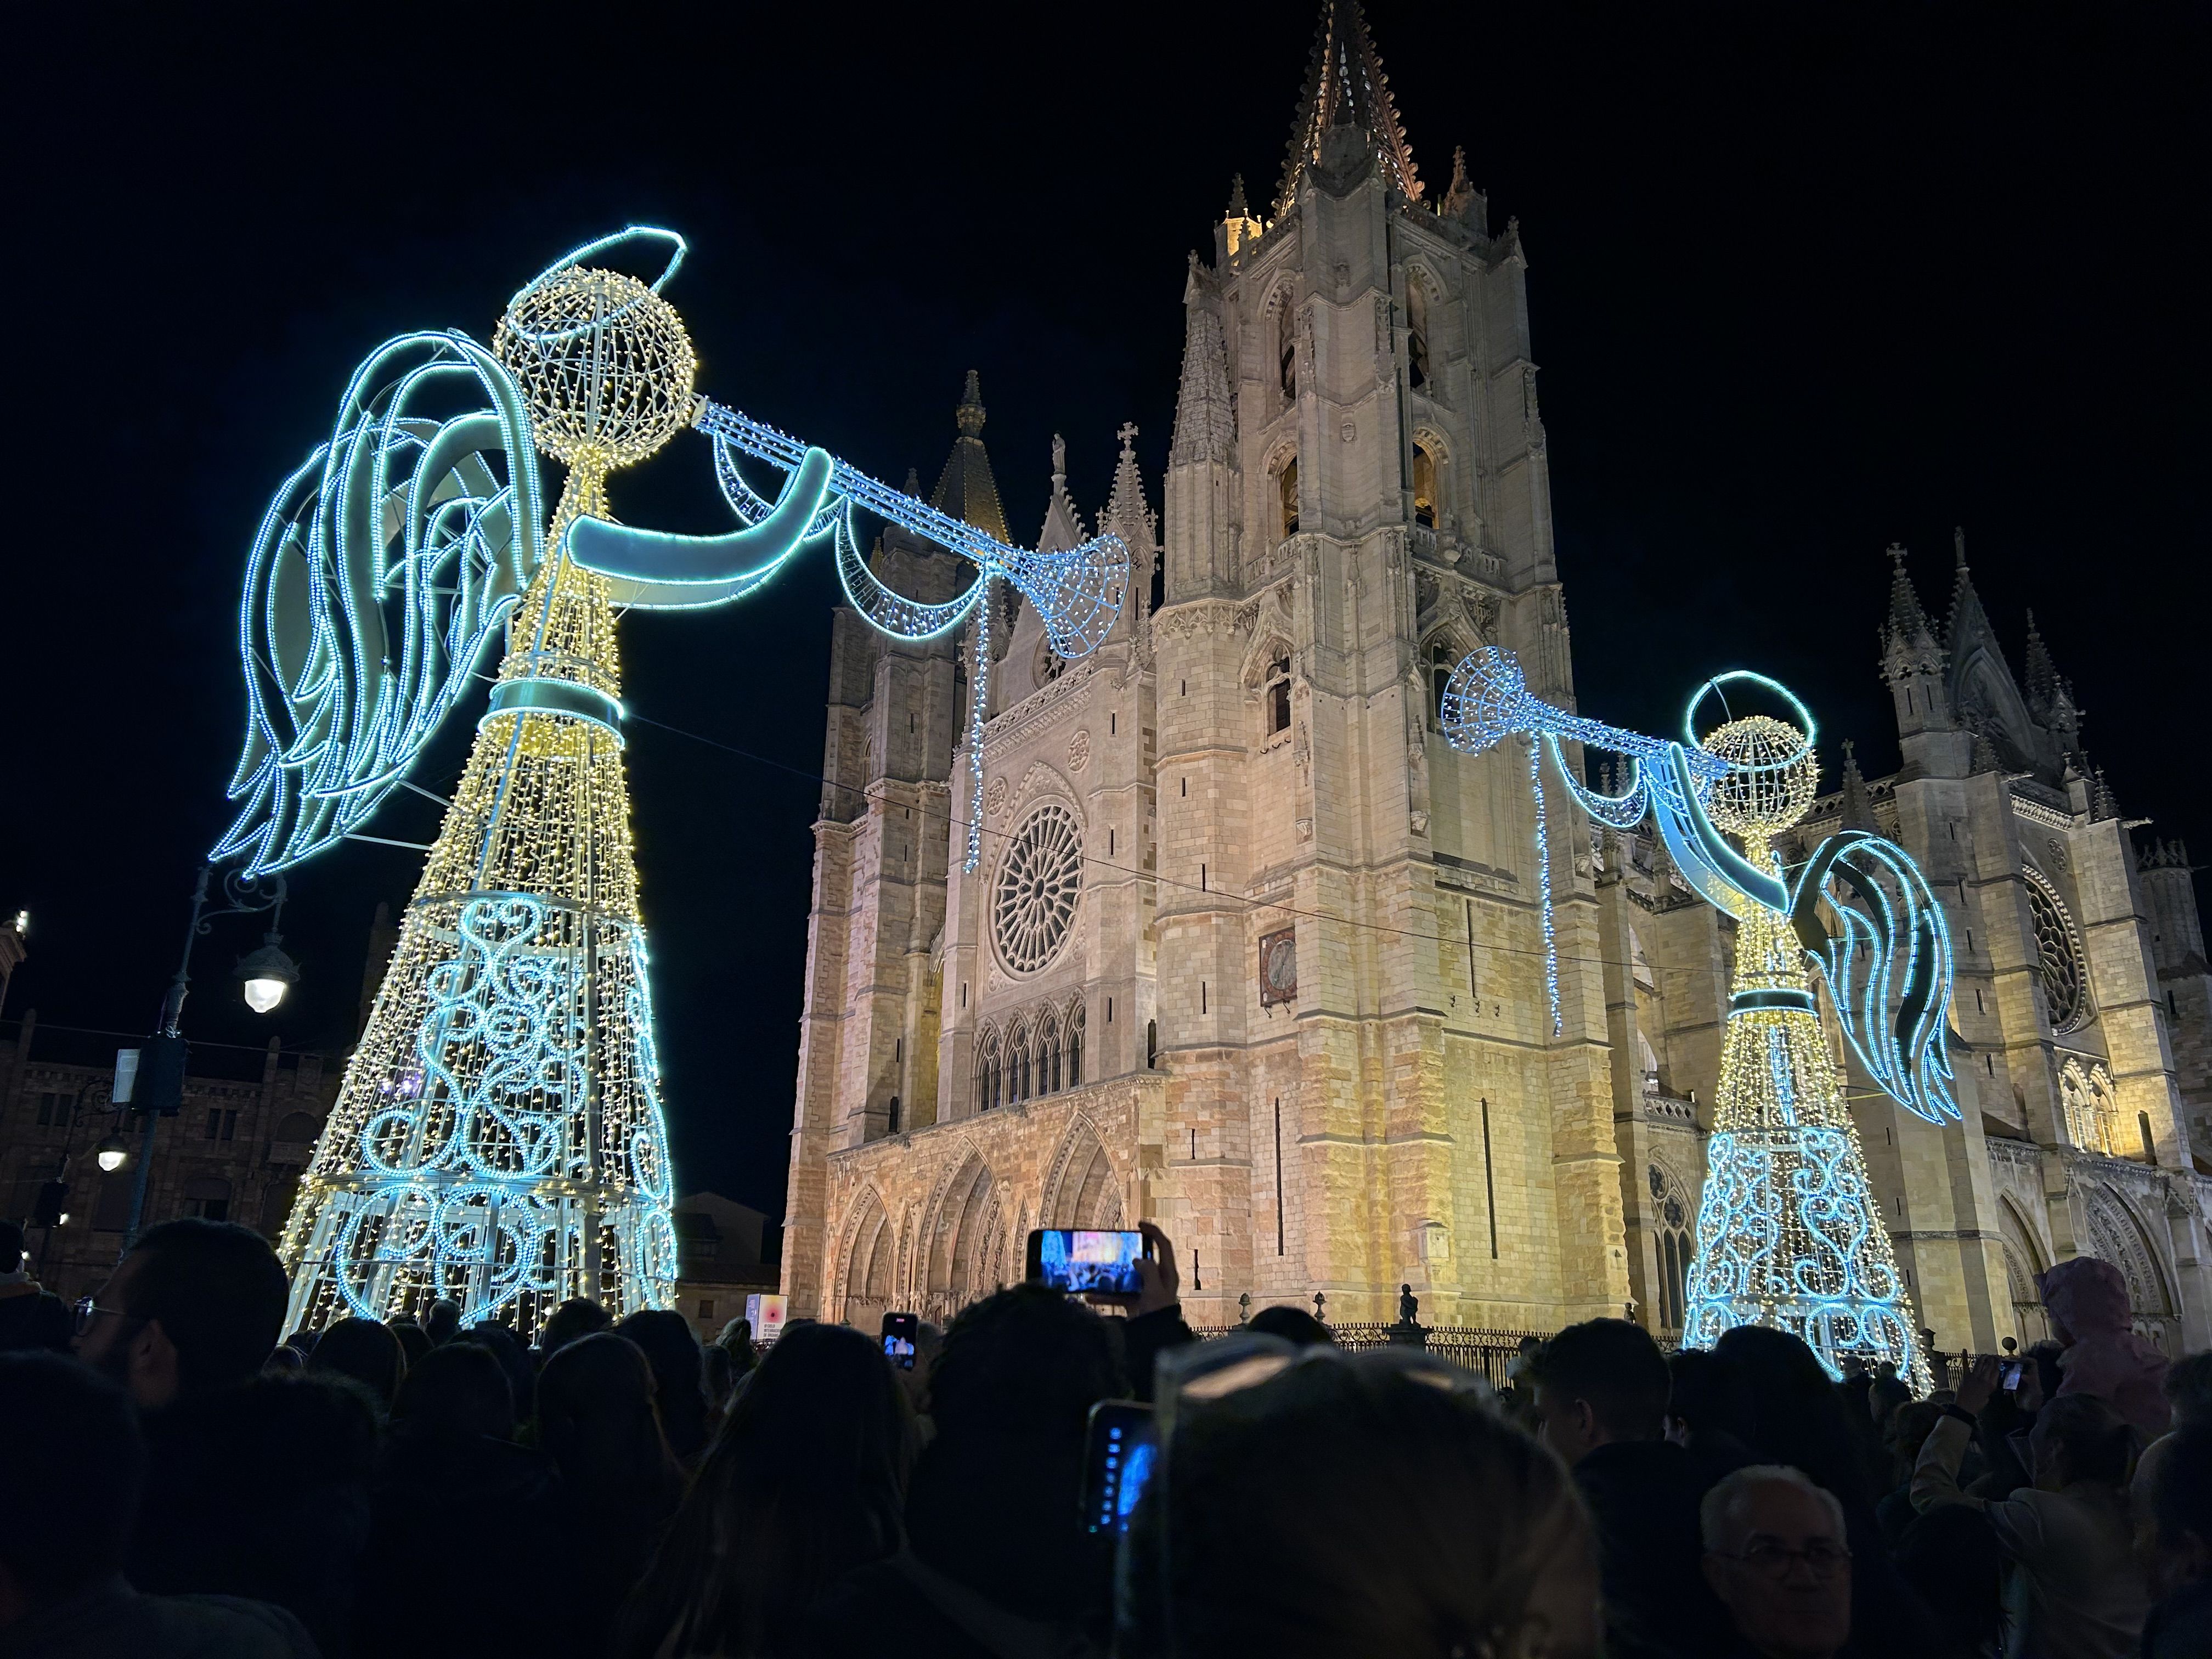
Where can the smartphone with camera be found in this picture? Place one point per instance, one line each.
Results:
(900, 1332)
(1117, 1460)
(2009, 1373)
(1086, 1262)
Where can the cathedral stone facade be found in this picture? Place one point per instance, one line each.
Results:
(1253, 953)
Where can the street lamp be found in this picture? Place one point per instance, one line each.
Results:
(267, 973)
(110, 1154)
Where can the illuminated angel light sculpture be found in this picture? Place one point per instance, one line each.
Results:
(498, 1138)
(1788, 1233)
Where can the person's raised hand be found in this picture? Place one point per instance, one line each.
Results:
(2029, 1396)
(1157, 1273)
(1977, 1385)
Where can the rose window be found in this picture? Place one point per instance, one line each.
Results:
(2058, 955)
(1033, 903)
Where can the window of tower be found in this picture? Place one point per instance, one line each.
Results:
(1424, 486)
(1278, 697)
(1440, 673)
(1286, 350)
(1286, 495)
(1417, 335)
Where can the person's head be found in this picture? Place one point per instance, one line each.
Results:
(1776, 1556)
(414, 1340)
(1345, 1506)
(195, 1307)
(2188, 1387)
(459, 1391)
(720, 1372)
(2085, 1296)
(804, 1483)
(2181, 1506)
(1597, 1383)
(579, 1317)
(11, 1247)
(504, 1345)
(1910, 1425)
(664, 1337)
(1787, 1410)
(441, 1321)
(1697, 1387)
(366, 1351)
(1027, 1364)
(598, 1422)
(70, 1480)
(1884, 1396)
(1291, 1324)
(2079, 1438)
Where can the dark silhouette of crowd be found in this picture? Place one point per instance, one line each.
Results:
(175, 1480)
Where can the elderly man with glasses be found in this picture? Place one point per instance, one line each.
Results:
(1775, 1555)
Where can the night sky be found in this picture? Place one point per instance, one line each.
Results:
(1805, 280)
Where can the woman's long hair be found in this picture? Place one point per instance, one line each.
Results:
(804, 1482)
(596, 1421)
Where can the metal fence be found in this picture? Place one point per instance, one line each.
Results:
(1485, 1351)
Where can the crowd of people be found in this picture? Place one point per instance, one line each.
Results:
(181, 1482)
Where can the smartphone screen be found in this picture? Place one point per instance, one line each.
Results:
(900, 1332)
(2010, 1370)
(1080, 1260)
(1118, 1459)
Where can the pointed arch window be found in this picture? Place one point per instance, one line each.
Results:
(1286, 497)
(987, 1075)
(1440, 672)
(1279, 695)
(1045, 1046)
(1424, 486)
(1417, 334)
(1075, 1044)
(1286, 347)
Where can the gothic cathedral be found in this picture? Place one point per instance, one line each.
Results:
(1253, 953)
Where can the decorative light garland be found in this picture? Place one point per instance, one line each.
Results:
(1788, 1232)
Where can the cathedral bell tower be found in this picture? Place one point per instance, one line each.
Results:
(1365, 1088)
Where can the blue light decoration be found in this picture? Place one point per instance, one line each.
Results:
(1787, 1232)
(498, 1138)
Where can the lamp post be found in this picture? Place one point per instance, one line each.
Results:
(268, 973)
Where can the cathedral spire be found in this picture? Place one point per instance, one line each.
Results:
(1858, 805)
(2038, 674)
(1908, 638)
(966, 488)
(1346, 86)
(1966, 612)
(1206, 424)
(1127, 515)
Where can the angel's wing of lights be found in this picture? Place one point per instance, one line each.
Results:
(1888, 969)
(378, 573)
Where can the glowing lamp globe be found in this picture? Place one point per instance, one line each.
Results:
(267, 974)
(1771, 776)
(605, 362)
(110, 1154)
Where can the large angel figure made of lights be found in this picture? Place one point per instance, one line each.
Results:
(498, 1138)
(1788, 1231)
